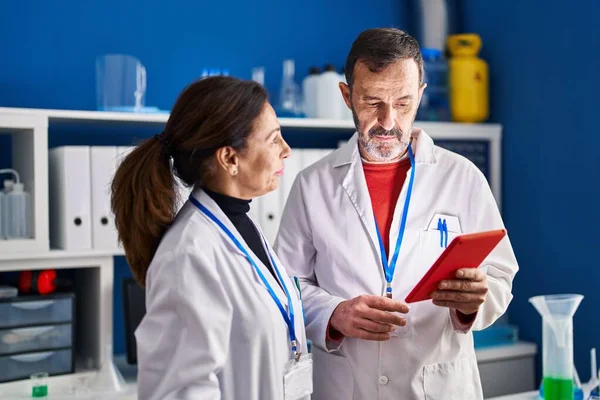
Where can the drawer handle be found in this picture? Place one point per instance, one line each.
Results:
(32, 332)
(34, 305)
(30, 358)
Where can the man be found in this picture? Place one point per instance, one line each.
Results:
(391, 188)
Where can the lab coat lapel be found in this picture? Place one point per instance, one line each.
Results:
(355, 185)
(210, 204)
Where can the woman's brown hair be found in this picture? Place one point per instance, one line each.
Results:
(209, 114)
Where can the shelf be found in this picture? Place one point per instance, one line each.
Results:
(56, 259)
(61, 387)
(82, 116)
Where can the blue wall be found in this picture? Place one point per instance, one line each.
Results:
(544, 61)
(49, 47)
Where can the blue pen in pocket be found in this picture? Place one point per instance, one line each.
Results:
(445, 229)
(441, 230)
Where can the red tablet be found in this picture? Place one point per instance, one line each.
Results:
(465, 251)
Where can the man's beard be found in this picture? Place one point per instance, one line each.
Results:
(382, 151)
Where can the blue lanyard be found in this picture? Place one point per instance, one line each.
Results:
(289, 319)
(390, 268)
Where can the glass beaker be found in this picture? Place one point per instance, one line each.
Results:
(557, 340)
(290, 98)
(120, 83)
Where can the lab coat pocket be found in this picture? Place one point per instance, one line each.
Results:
(455, 380)
(442, 229)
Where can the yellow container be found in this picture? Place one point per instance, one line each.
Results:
(467, 79)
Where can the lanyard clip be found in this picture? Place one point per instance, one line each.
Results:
(388, 289)
(297, 354)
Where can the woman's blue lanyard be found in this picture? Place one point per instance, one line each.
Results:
(289, 319)
(390, 268)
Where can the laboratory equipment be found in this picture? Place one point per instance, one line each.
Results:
(468, 79)
(557, 339)
(39, 385)
(578, 393)
(39, 282)
(258, 75)
(434, 103)
(16, 210)
(290, 104)
(121, 84)
(329, 97)
(309, 92)
(8, 184)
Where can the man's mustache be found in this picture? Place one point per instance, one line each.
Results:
(379, 131)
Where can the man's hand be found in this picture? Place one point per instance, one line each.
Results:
(368, 317)
(465, 294)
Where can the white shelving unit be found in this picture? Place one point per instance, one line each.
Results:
(94, 269)
(30, 137)
(491, 133)
(93, 287)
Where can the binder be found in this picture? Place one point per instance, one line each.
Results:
(102, 170)
(70, 202)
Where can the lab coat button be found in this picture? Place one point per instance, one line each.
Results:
(383, 380)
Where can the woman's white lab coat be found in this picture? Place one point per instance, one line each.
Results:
(328, 239)
(211, 331)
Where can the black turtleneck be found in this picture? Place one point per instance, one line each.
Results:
(237, 212)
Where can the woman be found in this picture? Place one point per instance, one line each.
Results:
(218, 323)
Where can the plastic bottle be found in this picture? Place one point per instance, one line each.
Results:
(434, 103)
(328, 94)
(8, 184)
(289, 104)
(16, 207)
(468, 77)
(309, 90)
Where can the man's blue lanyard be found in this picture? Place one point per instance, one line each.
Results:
(390, 268)
(289, 319)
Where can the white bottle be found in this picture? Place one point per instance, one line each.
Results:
(346, 112)
(8, 184)
(309, 90)
(328, 94)
(18, 211)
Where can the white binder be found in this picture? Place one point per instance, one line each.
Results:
(103, 162)
(70, 202)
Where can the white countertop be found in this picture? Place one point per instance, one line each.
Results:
(60, 387)
(521, 396)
